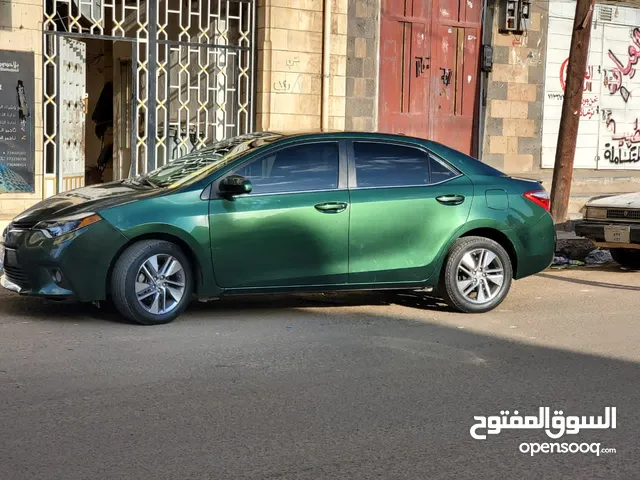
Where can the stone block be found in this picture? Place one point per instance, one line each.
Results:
(296, 104)
(355, 67)
(292, 19)
(337, 106)
(339, 24)
(338, 65)
(496, 160)
(514, 127)
(314, 5)
(497, 91)
(340, 6)
(292, 123)
(364, 9)
(519, 110)
(360, 49)
(338, 86)
(500, 109)
(359, 107)
(296, 62)
(493, 126)
(531, 146)
(300, 41)
(510, 73)
(518, 163)
(337, 123)
(521, 92)
(498, 145)
(338, 45)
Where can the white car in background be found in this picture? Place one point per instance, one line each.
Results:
(613, 222)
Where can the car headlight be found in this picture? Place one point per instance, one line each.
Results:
(60, 226)
(595, 213)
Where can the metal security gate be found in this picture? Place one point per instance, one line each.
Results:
(191, 67)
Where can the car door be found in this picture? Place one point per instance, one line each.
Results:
(405, 206)
(292, 228)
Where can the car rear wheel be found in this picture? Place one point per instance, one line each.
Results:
(152, 282)
(477, 275)
(626, 257)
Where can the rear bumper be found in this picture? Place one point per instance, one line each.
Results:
(594, 231)
(535, 247)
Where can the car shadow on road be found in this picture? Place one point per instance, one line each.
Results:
(591, 283)
(69, 311)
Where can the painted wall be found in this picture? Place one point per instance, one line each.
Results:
(609, 130)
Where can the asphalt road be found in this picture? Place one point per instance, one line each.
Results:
(333, 387)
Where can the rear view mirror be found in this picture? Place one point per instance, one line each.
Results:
(235, 185)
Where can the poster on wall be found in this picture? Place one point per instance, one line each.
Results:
(17, 128)
(609, 128)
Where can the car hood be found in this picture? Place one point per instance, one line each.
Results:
(626, 200)
(81, 200)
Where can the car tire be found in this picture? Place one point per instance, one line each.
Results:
(165, 270)
(626, 257)
(474, 284)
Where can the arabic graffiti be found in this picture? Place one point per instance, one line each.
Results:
(589, 107)
(570, 425)
(588, 76)
(285, 86)
(620, 154)
(613, 78)
(613, 81)
(634, 55)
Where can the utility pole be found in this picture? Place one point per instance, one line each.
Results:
(571, 105)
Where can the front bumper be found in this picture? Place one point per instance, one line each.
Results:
(75, 265)
(594, 231)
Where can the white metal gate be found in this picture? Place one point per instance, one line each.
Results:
(192, 67)
(73, 80)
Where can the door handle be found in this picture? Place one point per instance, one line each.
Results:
(450, 199)
(331, 207)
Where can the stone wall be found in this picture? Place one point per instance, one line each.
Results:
(362, 64)
(21, 30)
(514, 94)
(290, 65)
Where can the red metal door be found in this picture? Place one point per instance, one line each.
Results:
(437, 98)
(456, 77)
(404, 68)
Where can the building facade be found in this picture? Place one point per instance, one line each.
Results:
(99, 90)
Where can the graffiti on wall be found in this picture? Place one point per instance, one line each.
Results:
(609, 129)
(588, 76)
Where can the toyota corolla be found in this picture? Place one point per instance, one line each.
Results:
(285, 213)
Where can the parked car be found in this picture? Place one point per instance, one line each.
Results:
(613, 222)
(264, 213)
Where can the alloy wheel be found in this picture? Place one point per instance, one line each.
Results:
(480, 276)
(160, 284)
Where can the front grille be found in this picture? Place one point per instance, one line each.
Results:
(16, 275)
(623, 214)
(22, 225)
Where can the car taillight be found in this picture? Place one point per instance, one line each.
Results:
(539, 197)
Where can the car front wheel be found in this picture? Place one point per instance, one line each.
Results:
(152, 282)
(477, 275)
(626, 257)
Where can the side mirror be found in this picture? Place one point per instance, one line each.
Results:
(234, 185)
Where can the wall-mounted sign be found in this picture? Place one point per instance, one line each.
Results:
(17, 123)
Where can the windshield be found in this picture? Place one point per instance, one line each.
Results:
(205, 160)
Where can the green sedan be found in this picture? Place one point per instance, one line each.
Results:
(265, 213)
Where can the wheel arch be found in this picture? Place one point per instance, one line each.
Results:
(500, 238)
(491, 232)
(163, 236)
